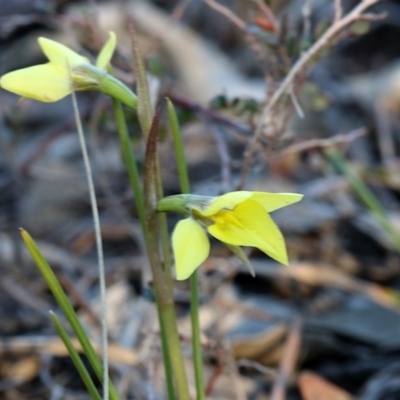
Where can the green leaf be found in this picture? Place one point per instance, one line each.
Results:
(76, 359)
(66, 308)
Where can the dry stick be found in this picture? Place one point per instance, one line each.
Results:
(209, 114)
(318, 143)
(269, 15)
(354, 15)
(227, 13)
(289, 359)
(179, 10)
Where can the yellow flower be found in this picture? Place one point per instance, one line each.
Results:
(65, 72)
(236, 219)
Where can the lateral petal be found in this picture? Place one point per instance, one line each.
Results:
(249, 225)
(44, 82)
(274, 201)
(60, 55)
(106, 52)
(190, 246)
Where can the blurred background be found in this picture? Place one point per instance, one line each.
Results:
(327, 327)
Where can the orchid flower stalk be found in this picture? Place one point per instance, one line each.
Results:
(67, 71)
(237, 219)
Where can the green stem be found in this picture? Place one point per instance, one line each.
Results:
(163, 292)
(129, 160)
(366, 195)
(162, 221)
(196, 336)
(169, 374)
(66, 307)
(165, 240)
(76, 359)
(166, 309)
(179, 149)
(194, 291)
(165, 246)
(134, 179)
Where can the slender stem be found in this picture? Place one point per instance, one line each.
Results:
(179, 149)
(366, 195)
(165, 246)
(169, 374)
(129, 160)
(99, 246)
(134, 179)
(166, 312)
(165, 240)
(194, 291)
(76, 359)
(196, 336)
(164, 294)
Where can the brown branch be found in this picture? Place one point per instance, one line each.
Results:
(228, 13)
(289, 359)
(269, 15)
(323, 41)
(318, 143)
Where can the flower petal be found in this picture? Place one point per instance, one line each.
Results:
(191, 247)
(106, 52)
(249, 225)
(60, 55)
(274, 201)
(44, 82)
(227, 201)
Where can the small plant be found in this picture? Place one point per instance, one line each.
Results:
(237, 219)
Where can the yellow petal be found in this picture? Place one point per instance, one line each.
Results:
(249, 225)
(43, 82)
(191, 247)
(106, 52)
(227, 201)
(60, 55)
(274, 201)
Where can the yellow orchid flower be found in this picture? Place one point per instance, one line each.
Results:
(65, 72)
(236, 219)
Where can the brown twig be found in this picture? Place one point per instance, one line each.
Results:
(317, 143)
(228, 13)
(209, 114)
(179, 10)
(289, 359)
(269, 15)
(323, 41)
